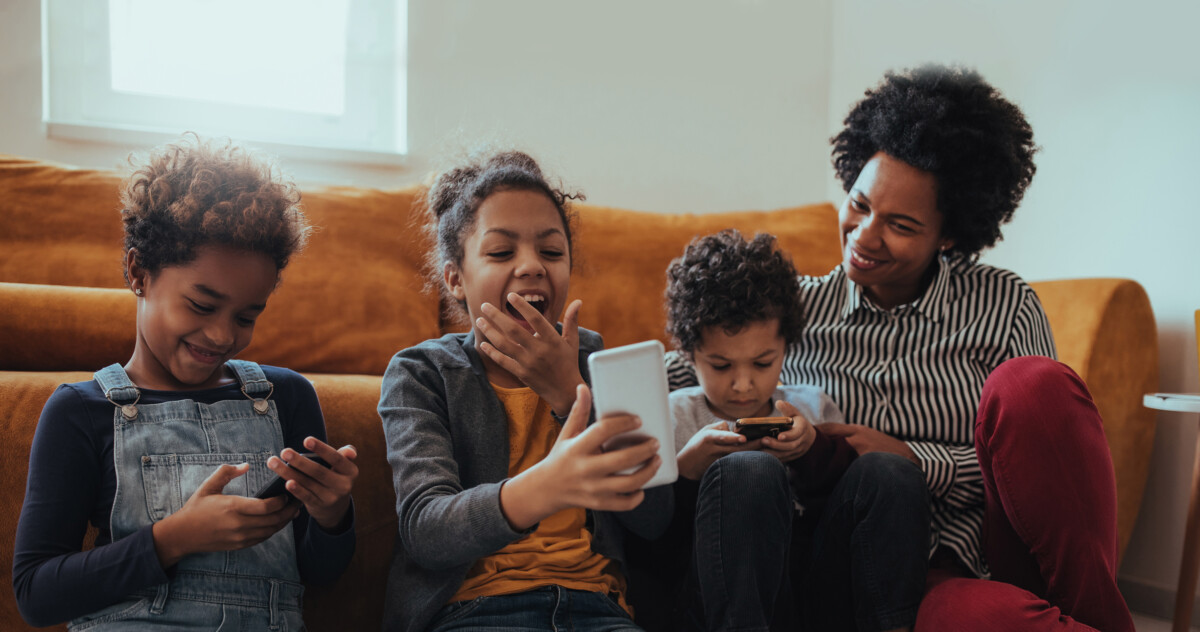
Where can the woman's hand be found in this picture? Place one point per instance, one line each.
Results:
(543, 360)
(211, 521)
(705, 447)
(793, 443)
(864, 440)
(325, 491)
(579, 473)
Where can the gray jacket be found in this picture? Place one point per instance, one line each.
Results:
(447, 443)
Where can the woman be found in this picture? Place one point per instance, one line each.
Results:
(969, 435)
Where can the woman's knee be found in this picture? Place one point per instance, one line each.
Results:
(1022, 393)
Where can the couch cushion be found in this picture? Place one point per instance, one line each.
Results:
(621, 259)
(346, 304)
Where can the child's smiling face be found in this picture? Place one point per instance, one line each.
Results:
(193, 317)
(518, 244)
(739, 371)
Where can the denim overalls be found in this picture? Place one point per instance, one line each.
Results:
(162, 453)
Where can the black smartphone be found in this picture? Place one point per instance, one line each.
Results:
(276, 486)
(758, 427)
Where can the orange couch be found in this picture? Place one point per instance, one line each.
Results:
(358, 294)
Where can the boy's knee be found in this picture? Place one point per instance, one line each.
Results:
(887, 475)
(749, 474)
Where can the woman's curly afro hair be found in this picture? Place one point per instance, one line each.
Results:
(722, 280)
(196, 192)
(950, 122)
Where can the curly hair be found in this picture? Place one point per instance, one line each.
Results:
(950, 122)
(722, 280)
(196, 192)
(455, 196)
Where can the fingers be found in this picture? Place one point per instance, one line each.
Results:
(577, 419)
(625, 458)
(260, 507)
(216, 482)
(570, 331)
(787, 409)
(596, 435)
(532, 316)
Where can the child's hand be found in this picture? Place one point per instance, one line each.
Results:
(711, 443)
(325, 491)
(579, 473)
(794, 443)
(543, 360)
(211, 521)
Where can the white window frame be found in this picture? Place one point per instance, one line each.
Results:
(79, 103)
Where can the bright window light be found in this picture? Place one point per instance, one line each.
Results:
(284, 54)
(326, 78)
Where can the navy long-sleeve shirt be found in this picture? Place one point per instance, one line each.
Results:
(72, 480)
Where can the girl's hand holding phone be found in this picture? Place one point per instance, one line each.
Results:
(324, 491)
(579, 473)
(711, 443)
(790, 444)
(212, 521)
(543, 360)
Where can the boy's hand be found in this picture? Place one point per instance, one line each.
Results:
(211, 521)
(705, 447)
(579, 473)
(543, 360)
(325, 491)
(794, 443)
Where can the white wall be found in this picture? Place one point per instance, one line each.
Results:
(705, 106)
(1112, 90)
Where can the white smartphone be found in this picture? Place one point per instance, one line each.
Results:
(633, 379)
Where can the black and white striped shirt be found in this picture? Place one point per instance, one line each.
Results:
(916, 372)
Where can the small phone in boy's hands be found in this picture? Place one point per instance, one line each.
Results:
(277, 486)
(758, 427)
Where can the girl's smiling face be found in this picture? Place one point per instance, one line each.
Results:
(193, 317)
(518, 244)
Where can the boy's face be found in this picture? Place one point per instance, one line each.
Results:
(739, 371)
(195, 316)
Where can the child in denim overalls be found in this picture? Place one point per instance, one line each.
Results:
(161, 454)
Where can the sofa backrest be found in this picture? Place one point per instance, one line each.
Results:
(354, 297)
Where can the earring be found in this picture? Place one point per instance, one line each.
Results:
(138, 291)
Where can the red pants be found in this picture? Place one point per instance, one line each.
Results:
(1050, 532)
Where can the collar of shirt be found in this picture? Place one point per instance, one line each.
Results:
(931, 304)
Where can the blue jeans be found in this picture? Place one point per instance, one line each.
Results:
(858, 565)
(547, 608)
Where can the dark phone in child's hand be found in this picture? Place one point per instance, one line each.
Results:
(758, 427)
(276, 486)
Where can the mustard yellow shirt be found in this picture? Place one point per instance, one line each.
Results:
(559, 552)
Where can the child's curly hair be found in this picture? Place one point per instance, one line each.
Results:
(196, 192)
(455, 195)
(722, 280)
(950, 122)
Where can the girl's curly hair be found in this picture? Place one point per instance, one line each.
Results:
(198, 192)
(456, 194)
(722, 280)
(950, 122)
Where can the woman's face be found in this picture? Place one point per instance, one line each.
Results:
(891, 230)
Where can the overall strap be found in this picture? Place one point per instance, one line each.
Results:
(254, 382)
(116, 384)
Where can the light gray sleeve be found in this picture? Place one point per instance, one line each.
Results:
(687, 404)
(812, 402)
(442, 526)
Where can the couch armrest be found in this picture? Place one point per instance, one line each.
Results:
(1104, 329)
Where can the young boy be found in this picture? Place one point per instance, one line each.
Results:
(733, 307)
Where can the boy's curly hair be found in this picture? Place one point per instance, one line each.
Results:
(197, 192)
(455, 195)
(722, 280)
(950, 122)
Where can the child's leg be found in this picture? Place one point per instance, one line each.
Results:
(743, 528)
(549, 608)
(870, 551)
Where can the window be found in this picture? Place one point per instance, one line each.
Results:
(326, 74)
